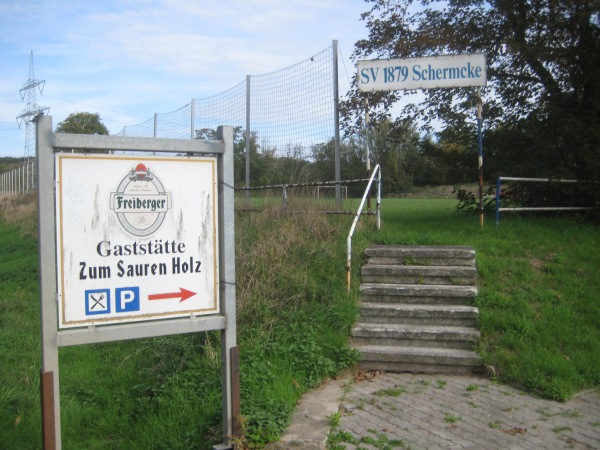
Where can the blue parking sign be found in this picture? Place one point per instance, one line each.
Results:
(127, 299)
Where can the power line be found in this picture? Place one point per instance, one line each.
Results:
(88, 105)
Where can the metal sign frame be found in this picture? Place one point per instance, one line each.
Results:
(47, 145)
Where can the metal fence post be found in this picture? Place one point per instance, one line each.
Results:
(284, 194)
(336, 126)
(247, 139)
(192, 117)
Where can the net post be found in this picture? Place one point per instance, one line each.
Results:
(192, 117)
(247, 139)
(336, 118)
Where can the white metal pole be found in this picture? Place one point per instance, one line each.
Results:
(227, 276)
(48, 286)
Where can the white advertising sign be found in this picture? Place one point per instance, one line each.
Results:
(136, 238)
(422, 73)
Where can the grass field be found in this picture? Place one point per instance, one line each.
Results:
(539, 290)
(539, 284)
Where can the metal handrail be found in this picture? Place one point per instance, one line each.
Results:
(376, 171)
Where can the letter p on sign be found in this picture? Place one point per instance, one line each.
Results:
(127, 299)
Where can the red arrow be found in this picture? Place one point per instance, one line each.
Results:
(183, 294)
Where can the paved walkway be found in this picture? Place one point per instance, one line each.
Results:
(387, 411)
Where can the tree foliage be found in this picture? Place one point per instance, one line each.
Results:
(406, 158)
(396, 150)
(543, 89)
(82, 123)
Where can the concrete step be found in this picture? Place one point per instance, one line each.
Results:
(436, 275)
(415, 335)
(417, 293)
(421, 255)
(419, 360)
(440, 315)
(416, 312)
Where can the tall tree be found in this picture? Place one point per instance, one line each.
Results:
(543, 67)
(396, 150)
(82, 123)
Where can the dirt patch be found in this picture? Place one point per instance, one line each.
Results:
(537, 264)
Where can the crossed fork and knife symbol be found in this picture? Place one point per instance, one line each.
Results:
(97, 301)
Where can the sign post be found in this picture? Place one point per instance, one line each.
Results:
(480, 152)
(133, 246)
(448, 71)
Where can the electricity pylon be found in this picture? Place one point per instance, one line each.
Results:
(32, 110)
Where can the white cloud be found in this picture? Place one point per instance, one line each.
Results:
(128, 59)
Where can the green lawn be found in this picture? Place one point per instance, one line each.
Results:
(539, 285)
(539, 289)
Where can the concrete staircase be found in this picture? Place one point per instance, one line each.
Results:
(416, 312)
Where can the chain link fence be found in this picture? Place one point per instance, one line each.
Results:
(282, 115)
(281, 119)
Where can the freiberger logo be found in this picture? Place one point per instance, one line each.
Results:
(140, 202)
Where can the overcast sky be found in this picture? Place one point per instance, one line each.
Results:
(129, 59)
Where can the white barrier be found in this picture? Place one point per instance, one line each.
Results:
(534, 208)
(20, 180)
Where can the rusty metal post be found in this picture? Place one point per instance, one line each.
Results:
(48, 418)
(235, 393)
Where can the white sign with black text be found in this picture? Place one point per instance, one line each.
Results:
(136, 238)
(422, 73)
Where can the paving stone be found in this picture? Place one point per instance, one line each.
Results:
(504, 417)
(490, 416)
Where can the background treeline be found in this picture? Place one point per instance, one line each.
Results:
(407, 159)
(411, 160)
(8, 163)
